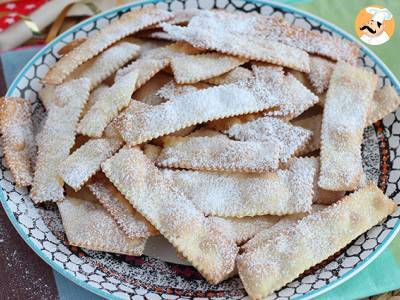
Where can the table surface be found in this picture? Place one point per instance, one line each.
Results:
(23, 275)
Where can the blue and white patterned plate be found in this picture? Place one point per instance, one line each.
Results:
(156, 275)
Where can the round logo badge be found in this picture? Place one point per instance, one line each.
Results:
(374, 25)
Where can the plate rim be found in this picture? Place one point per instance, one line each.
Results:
(362, 265)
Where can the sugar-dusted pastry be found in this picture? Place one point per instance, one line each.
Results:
(57, 138)
(17, 138)
(88, 225)
(292, 138)
(106, 63)
(113, 100)
(237, 74)
(96, 69)
(190, 109)
(315, 42)
(94, 96)
(216, 30)
(146, 68)
(385, 100)
(126, 217)
(297, 97)
(326, 197)
(343, 126)
(241, 194)
(111, 131)
(242, 229)
(313, 124)
(71, 45)
(284, 223)
(84, 162)
(286, 254)
(171, 89)
(195, 68)
(129, 23)
(320, 73)
(158, 200)
(219, 153)
(181, 17)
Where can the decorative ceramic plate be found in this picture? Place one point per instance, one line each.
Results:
(159, 273)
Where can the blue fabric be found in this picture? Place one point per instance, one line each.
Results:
(68, 290)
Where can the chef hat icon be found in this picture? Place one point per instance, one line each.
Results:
(379, 14)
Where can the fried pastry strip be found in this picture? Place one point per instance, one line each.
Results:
(312, 124)
(297, 97)
(241, 194)
(171, 90)
(97, 69)
(237, 74)
(250, 47)
(385, 101)
(281, 225)
(343, 127)
(129, 23)
(287, 254)
(320, 73)
(87, 224)
(17, 138)
(190, 109)
(46, 95)
(321, 196)
(292, 138)
(219, 153)
(242, 229)
(106, 63)
(177, 219)
(84, 162)
(108, 105)
(57, 138)
(71, 45)
(315, 42)
(127, 218)
(146, 68)
(195, 68)
(95, 96)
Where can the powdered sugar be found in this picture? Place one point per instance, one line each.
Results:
(320, 73)
(385, 100)
(17, 138)
(297, 97)
(158, 200)
(222, 154)
(107, 107)
(285, 255)
(241, 194)
(312, 124)
(242, 229)
(189, 109)
(212, 30)
(194, 68)
(127, 218)
(263, 129)
(343, 126)
(129, 23)
(57, 138)
(106, 63)
(234, 76)
(88, 225)
(77, 168)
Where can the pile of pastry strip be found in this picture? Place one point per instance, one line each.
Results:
(235, 136)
